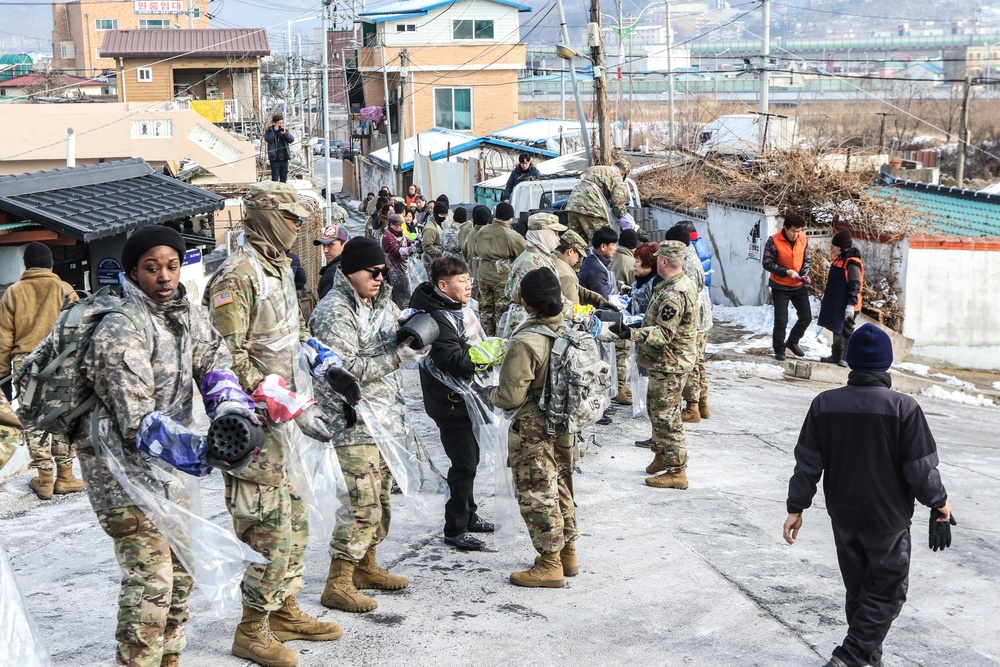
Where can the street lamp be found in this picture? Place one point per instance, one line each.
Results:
(566, 52)
(288, 60)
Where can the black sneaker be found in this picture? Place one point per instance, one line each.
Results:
(780, 356)
(465, 542)
(480, 526)
(796, 350)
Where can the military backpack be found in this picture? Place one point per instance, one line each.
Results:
(56, 393)
(449, 239)
(578, 380)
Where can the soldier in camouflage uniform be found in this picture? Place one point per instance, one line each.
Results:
(497, 246)
(542, 239)
(430, 239)
(666, 348)
(252, 303)
(541, 463)
(586, 206)
(566, 257)
(358, 319)
(10, 431)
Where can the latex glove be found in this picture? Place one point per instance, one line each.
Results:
(489, 352)
(234, 408)
(405, 354)
(849, 313)
(940, 531)
(794, 275)
(320, 357)
(627, 221)
(314, 424)
(345, 384)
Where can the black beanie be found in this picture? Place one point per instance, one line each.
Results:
(148, 237)
(443, 198)
(461, 214)
(678, 233)
(842, 239)
(505, 211)
(629, 238)
(869, 349)
(539, 286)
(440, 208)
(359, 253)
(37, 256)
(481, 216)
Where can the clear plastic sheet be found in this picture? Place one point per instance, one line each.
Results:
(607, 350)
(416, 272)
(637, 381)
(509, 525)
(20, 642)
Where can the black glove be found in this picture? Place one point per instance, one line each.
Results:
(625, 333)
(345, 384)
(607, 305)
(940, 531)
(350, 416)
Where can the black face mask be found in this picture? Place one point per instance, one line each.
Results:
(440, 218)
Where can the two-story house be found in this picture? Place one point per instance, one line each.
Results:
(454, 63)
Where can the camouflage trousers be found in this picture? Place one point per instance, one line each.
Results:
(274, 522)
(542, 468)
(696, 382)
(493, 303)
(45, 447)
(663, 403)
(152, 604)
(622, 349)
(585, 225)
(10, 438)
(369, 483)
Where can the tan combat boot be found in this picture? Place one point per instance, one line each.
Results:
(570, 565)
(691, 414)
(42, 485)
(290, 622)
(669, 480)
(368, 574)
(624, 396)
(657, 465)
(65, 482)
(703, 407)
(547, 573)
(170, 660)
(255, 641)
(340, 592)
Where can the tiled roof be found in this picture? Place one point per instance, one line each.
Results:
(230, 42)
(98, 200)
(945, 211)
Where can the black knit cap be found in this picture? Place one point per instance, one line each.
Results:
(842, 239)
(869, 349)
(505, 211)
(440, 208)
(148, 237)
(539, 286)
(678, 233)
(461, 214)
(629, 238)
(481, 215)
(37, 256)
(360, 253)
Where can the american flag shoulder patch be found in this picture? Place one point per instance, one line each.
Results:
(221, 299)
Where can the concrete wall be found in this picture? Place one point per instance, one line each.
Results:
(739, 278)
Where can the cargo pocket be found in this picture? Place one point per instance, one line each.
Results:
(364, 491)
(528, 440)
(246, 502)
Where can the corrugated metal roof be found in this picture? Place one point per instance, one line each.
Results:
(421, 7)
(438, 143)
(230, 42)
(948, 211)
(98, 200)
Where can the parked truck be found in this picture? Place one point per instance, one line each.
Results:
(742, 135)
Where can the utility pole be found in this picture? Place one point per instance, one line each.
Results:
(670, 78)
(600, 83)
(401, 130)
(302, 97)
(325, 108)
(765, 53)
(388, 121)
(963, 133)
(621, 58)
(288, 73)
(881, 129)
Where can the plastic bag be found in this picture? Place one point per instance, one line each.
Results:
(509, 526)
(607, 350)
(637, 381)
(20, 642)
(416, 272)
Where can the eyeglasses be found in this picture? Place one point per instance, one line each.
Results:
(294, 219)
(378, 271)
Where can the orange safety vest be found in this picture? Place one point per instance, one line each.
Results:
(841, 263)
(789, 256)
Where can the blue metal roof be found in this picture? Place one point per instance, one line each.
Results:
(411, 8)
(474, 142)
(948, 211)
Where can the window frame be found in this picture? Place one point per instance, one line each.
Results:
(67, 51)
(405, 28)
(477, 26)
(112, 22)
(148, 71)
(471, 112)
(163, 24)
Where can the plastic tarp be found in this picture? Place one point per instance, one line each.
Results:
(20, 642)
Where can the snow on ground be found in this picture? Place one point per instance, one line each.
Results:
(925, 371)
(956, 396)
(746, 369)
(996, 385)
(759, 320)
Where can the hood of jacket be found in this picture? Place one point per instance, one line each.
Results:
(428, 299)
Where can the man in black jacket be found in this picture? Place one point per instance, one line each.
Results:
(876, 454)
(445, 297)
(523, 169)
(278, 139)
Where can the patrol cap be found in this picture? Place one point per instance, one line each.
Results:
(273, 195)
(333, 233)
(575, 241)
(538, 221)
(624, 165)
(671, 249)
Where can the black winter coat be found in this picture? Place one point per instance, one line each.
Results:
(450, 353)
(326, 276)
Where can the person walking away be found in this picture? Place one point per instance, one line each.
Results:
(666, 349)
(524, 169)
(397, 249)
(359, 320)
(541, 462)
(467, 240)
(278, 140)
(838, 311)
(599, 188)
(333, 239)
(251, 302)
(876, 454)
(496, 248)
(446, 297)
(28, 310)
(788, 259)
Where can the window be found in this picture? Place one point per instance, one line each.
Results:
(196, 13)
(144, 74)
(106, 24)
(453, 108)
(468, 29)
(154, 24)
(67, 50)
(406, 27)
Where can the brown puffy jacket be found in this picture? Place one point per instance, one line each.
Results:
(28, 309)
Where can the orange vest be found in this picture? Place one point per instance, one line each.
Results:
(789, 256)
(840, 263)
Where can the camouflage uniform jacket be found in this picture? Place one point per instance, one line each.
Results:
(364, 336)
(525, 368)
(623, 265)
(497, 246)
(586, 199)
(570, 284)
(695, 271)
(666, 339)
(529, 260)
(131, 381)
